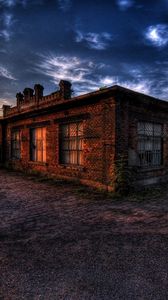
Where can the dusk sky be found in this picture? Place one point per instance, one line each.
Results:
(92, 43)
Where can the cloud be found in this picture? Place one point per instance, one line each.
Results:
(3, 101)
(98, 41)
(141, 86)
(86, 76)
(157, 35)
(136, 83)
(65, 67)
(108, 81)
(83, 73)
(144, 86)
(6, 74)
(7, 22)
(125, 4)
(8, 3)
(64, 4)
(146, 78)
(5, 34)
(11, 3)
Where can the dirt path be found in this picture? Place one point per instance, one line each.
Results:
(58, 244)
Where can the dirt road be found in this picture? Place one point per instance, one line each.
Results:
(56, 243)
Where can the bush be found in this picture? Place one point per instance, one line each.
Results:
(124, 176)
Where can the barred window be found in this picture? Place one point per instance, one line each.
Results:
(38, 144)
(149, 144)
(71, 143)
(15, 144)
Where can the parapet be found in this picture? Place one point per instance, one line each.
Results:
(33, 98)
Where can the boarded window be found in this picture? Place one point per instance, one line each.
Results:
(38, 144)
(149, 144)
(71, 143)
(15, 144)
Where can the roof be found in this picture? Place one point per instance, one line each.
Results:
(50, 104)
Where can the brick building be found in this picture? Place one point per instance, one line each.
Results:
(95, 137)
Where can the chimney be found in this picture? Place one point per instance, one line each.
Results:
(38, 88)
(65, 89)
(19, 97)
(5, 109)
(28, 93)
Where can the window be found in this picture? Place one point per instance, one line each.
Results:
(71, 143)
(15, 144)
(38, 144)
(149, 144)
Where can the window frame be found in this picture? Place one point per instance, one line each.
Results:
(35, 150)
(151, 153)
(71, 140)
(14, 143)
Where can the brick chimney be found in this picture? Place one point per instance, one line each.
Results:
(5, 109)
(19, 97)
(28, 93)
(65, 89)
(38, 88)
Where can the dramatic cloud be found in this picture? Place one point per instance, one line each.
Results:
(79, 71)
(85, 75)
(97, 41)
(93, 44)
(157, 35)
(5, 73)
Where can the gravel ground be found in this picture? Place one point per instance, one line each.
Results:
(57, 243)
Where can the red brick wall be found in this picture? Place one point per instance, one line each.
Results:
(99, 143)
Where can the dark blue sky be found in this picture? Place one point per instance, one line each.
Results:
(92, 43)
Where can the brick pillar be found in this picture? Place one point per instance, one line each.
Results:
(38, 88)
(28, 93)
(5, 109)
(65, 89)
(19, 97)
